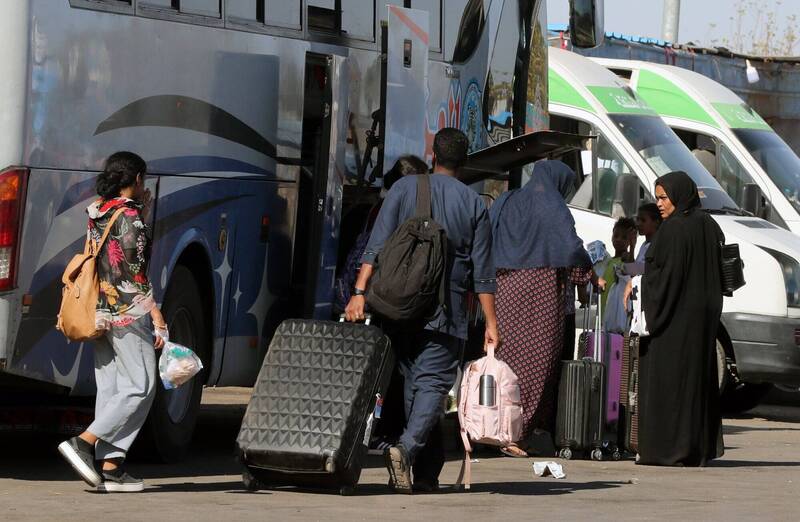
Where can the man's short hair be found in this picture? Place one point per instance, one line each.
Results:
(450, 147)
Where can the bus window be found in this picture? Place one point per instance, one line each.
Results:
(322, 16)
(352, 19)
(200, 7)
(168, 4)
(244, 10)
(283, 13)
(358, 19)
(434, 8)
(469, 31)
(498, 95)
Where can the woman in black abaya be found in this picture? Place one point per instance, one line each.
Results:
(679, 422)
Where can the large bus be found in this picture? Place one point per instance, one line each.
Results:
(266, 126)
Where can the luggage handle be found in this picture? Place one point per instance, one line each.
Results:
(367, 319)
(598, 332)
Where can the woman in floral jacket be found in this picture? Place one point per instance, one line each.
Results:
(125, 361)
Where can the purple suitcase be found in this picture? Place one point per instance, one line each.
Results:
(611, 346)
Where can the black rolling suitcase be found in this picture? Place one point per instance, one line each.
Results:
(580, 419)
(310, 417)
(629, 394)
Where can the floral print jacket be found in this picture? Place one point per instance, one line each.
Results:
(125, 291)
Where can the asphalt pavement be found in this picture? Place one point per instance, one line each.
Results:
(756, 479)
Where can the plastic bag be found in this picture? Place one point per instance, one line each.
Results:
(177, 365)
(638, 322)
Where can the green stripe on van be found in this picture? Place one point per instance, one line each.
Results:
(617, 100)
(564, 93)
(667, 99)
(740, 116)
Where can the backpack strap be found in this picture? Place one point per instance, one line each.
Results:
(98, 246)
(424, 209)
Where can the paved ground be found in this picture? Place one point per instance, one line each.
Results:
(757, 479)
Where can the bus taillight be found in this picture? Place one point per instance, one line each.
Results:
(12, 191)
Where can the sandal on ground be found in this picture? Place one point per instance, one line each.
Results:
(514, 452)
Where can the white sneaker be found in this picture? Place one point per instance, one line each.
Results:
(120, 482)
(80, 455)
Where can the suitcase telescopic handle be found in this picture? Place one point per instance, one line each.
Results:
(598, 330)
(367, 318)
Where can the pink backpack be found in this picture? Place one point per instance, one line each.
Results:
(497, 425)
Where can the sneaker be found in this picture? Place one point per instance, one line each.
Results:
(118, 481)
(399, 469)
(80, 455)
(379, 445)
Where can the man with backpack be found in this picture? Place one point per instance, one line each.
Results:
(422, 298)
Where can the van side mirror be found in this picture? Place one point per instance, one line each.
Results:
(752, 199)
(586, 23)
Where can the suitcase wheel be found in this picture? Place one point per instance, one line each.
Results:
(347, 491)
(565, 453)
(250, 482)
(597, 454)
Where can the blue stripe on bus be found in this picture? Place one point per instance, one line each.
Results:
(194, 164)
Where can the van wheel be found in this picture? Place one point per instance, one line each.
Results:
(736, 396)
(174, 413)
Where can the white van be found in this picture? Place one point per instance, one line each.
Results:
(758, 337)
(751, 162)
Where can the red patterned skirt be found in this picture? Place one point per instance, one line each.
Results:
(530, 316)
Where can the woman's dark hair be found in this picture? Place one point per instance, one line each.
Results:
(404, 166)
(651, 209)
(119, 172)
(625, 223)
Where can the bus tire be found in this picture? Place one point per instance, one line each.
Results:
(174, 413)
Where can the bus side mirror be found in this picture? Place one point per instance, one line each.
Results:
(586, 23)
(752, 199)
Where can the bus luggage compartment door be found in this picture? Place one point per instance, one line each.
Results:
(406, 84)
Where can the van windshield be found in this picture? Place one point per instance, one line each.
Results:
(665, 152)
(776, 158)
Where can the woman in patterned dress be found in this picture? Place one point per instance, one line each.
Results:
(537, 253)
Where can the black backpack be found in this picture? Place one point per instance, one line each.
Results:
(411, 269)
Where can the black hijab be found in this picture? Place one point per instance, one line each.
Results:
(681, 191)
(532, 226)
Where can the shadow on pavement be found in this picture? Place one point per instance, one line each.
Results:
(722, 463)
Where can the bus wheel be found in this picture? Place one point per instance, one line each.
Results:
(174, 412)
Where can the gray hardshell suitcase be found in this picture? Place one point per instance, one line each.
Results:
(581, 414)
(310, 417)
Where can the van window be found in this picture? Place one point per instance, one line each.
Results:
(612, 172)
(580, 161)
(719, 160)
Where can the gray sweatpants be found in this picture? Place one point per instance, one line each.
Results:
(125, 371)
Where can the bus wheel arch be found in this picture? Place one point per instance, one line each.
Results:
(188, 312)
